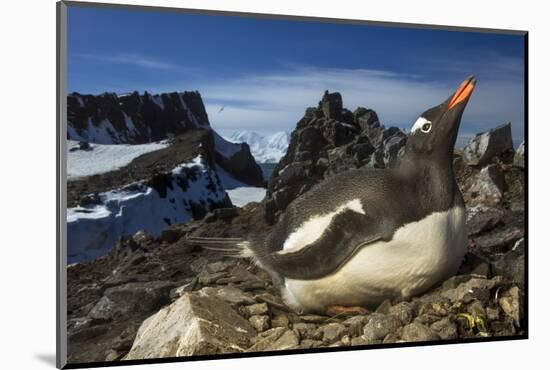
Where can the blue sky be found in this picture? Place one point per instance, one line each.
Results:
(266, 72)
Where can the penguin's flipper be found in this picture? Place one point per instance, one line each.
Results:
(348, 232)
(231, 247)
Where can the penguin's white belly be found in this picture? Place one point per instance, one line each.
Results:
(420, 255)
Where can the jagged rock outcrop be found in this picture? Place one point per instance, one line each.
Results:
(328, 140)
(488, 145)
(133, 118)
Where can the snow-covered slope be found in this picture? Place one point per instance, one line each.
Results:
(265, 149)
(97, 158)
(190, 188)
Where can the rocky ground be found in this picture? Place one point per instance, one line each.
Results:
(161, 297)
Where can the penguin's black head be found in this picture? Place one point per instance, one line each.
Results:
(434, 133)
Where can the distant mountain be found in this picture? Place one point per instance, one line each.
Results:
(265, 149)
(136, 118)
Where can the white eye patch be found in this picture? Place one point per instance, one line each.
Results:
(420, 124)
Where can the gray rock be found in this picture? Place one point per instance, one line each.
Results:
(331, 104)
(355, 325)
(510, 304)
(416, 332)
(487, 187)
(384, 307)
(219, 266)
(499, 241)
(289, 340)
(512, 264)
(309, 343)
(403, 311)
(206, 278)
(179, 291)
(358, 341)
(493, 313)
(112, 355)
(316, 319)
(259, 322)
(254, 309)
(193, 325)
(519, 157)
(445, 328)
(280, 321)
(393, 337)
(332, 332)
(311, 139)
(485, 146)
(198, 264)
(295, 171)
(131, 298)
(308, 331)
(362, 151)
(379, 326)
(275, 339)
(235, 297)
(469, 287)
(481, 219)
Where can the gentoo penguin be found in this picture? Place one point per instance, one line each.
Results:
(366, 235)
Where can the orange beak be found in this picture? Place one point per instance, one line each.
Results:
(463, 92)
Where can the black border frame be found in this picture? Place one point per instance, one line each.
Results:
(61, 73)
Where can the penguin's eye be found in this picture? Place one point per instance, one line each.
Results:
(426, 127)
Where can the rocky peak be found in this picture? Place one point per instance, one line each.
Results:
(330, 139)
(331, 104)
(133, 118)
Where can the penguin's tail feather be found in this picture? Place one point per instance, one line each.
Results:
(231, 247)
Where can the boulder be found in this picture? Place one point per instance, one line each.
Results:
(195, 324)
(510, 302)
(487, 145)
(379, 326)
(445, 328)
(416, 332)
(130, 298)
(487, 187)
(332, 332)
(519, 157)
(512, 264)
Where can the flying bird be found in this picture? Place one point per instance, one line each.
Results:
(223, 106)
(368, 234)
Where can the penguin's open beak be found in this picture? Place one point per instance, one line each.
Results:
(463, 92)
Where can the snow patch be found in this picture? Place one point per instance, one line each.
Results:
(242, 196)
(104, 158)
(93, 230)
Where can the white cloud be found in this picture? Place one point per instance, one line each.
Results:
(132, 59)
(276, 101)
